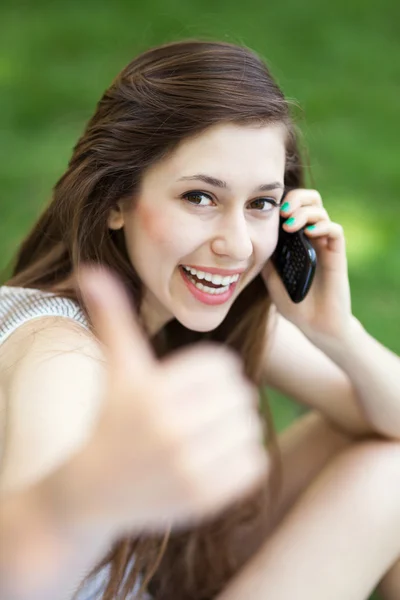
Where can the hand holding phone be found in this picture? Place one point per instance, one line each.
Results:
(295, 261)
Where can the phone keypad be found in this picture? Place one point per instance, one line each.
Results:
(295, 259)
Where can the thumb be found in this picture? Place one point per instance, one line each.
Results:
(114, 320)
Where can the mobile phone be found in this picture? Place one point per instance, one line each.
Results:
(295, 261)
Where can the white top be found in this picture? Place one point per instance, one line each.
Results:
(17, 306)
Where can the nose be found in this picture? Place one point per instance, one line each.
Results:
(233, 238)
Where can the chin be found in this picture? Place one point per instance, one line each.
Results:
(201, 325)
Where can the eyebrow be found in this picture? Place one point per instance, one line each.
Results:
(265, 187)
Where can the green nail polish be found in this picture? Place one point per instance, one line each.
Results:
(311, 227)
(290, 221)
(285, 207)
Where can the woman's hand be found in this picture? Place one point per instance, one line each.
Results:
(179, 439)
(325, 313)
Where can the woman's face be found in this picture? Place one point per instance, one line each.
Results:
(206, 206)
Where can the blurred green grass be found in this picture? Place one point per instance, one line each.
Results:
(340, 61)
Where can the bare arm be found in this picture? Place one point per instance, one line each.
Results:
(135, 465)
(354, 381)
(303, 372)
(374, 372)
(41, 557)
(53, 395)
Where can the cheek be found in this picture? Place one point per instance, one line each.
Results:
(165, 229)
(272, 244)
(156, 225)
(267, 243)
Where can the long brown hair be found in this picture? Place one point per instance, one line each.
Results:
(162, 97)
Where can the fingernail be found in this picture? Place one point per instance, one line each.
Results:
(290, 221)
(311, 227)
(285, 207)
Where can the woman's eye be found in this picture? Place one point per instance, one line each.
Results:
(265, 204)
(195, 198)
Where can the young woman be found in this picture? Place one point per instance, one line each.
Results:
(133, 462)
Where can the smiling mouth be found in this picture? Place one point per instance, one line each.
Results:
(204, 281)
(218, 294)
(195, 279)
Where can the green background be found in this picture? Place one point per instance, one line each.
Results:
(339, 60)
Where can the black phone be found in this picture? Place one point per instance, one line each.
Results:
(295, 260)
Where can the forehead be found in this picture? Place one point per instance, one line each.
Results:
(229, 150)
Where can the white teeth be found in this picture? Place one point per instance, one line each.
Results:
(212, 291)
(216, 279)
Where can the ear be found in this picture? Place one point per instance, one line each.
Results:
(115, 218)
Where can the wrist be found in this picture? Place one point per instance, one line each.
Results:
(342, 343)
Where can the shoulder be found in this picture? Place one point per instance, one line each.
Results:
(53, 379)
(39, 337)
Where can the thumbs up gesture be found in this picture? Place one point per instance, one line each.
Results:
(178, 440)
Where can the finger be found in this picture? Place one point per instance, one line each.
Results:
(114, 320)
(202, 412)
(333, 232)
(208, 440)
(300, 197)
(202, 361)
(306, 215)
(234, 477)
